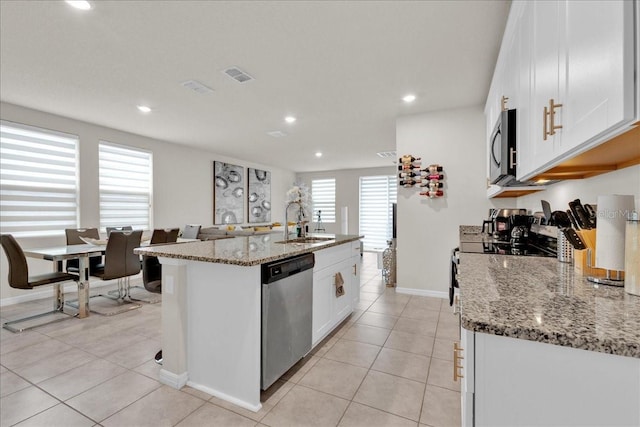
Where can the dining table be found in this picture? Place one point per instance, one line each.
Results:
(82, 252)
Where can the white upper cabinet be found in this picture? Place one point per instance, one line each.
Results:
(567, 67)
(539, 148)
(599, 77)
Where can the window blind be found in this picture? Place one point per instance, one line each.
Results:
(323, 193)
(38, 181)
(377, 193)
(125, 186)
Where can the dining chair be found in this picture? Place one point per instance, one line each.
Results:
(74, 238)
(151, 268)
(123, 228)
(121, 263)
(164, 235)
(191, 231)
(19, 278)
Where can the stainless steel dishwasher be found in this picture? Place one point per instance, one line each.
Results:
(287, 296)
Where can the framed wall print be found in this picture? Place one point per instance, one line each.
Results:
(259, 196)
(228, 193)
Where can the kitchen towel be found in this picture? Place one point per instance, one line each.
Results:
(613, 211)
(339, 282)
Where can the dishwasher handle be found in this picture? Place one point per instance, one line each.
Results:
(284, 268)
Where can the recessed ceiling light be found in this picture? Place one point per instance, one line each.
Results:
(290, 119)
(144, 109)
(318, 154)
(79, 4)
(409, 98)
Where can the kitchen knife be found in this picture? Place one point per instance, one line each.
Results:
(546, 208)
(584, 216)
(574, 239)
(592, 214)
(560, 219)
(583, 221)
(572, 219)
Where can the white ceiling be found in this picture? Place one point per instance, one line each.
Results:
(340, 67)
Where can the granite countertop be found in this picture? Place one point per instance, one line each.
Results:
(245, 251)
(541, 299)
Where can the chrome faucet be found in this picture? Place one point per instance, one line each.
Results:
(286, 219)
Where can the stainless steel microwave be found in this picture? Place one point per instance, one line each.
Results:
(502, 149)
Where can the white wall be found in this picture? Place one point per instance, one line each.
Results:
(182, 181)
(428, 228)
(347, 193)
(623, 181)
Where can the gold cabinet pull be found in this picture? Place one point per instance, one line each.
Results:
(549, 119)
(503, 103)
(545, 115)
(457, 367)
(552, 116)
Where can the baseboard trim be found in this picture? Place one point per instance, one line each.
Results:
(176, 381)
(423, 292)
(224, 396)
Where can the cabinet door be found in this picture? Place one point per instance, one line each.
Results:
(546, 18)
(322, 304)
(356, 260)
(526, 383)
(467, 371)
(342, 305)
(599, 70)
(524, 112)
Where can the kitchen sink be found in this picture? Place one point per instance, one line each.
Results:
(307, 240)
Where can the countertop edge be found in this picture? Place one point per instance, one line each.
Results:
(616, 347)
(258, 261)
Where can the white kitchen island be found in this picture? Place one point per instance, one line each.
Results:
(211, 308)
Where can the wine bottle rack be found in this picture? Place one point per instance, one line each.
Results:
(429, 179)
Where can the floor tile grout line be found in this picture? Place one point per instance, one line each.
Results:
(60, 401)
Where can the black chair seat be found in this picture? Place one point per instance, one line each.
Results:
(50, 278)
(154, 286)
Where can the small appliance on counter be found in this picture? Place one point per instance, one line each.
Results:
(501, 221)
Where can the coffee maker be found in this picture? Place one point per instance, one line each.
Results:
(501, 221)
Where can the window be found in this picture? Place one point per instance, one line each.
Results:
(125, 187)
(377, 194)
(323, 193)
(38, 181)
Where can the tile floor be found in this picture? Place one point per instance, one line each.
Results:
(389, 364)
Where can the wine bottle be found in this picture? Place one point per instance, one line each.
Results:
(436, 177)
(432, 184)
(433, 169)
(408, 158)
(409, 182)
(412, 173)
(432, 194)
(404, 167)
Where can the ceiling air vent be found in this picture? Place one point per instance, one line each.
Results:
(196, 86)
(276, 133)
(237, 74)
(385, 154)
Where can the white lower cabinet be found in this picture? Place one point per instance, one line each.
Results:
(330, 309)
(514, 382)
(356, 260)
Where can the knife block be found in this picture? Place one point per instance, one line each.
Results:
(582, 263)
